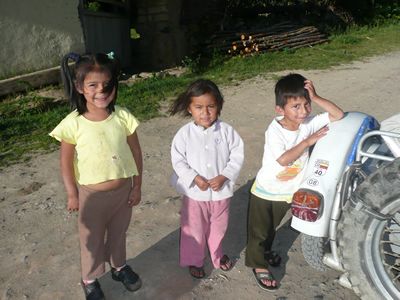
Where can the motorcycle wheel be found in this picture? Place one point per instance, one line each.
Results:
(313, 249)
(370, 247)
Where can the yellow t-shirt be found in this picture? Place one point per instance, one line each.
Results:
(101, 149)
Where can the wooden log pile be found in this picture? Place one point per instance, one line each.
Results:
(279, 37)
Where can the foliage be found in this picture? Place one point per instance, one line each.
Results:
(93, 6)
(360, 11)
(192, 64)
(108, 6)
(386, 9)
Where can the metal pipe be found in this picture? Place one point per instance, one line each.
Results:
(361, 153)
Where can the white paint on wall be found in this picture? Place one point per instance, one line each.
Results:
(35, 34)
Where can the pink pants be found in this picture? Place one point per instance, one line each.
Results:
(103, 220)
(203, 223)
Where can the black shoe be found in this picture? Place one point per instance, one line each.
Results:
(93, 291)
(129, 278)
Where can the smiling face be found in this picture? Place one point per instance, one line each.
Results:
(294, 112)
(204, 110)
(95, 89)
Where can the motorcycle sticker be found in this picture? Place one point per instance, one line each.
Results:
(312, 182)
(320, 167)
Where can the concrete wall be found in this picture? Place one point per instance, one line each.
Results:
(35, 34)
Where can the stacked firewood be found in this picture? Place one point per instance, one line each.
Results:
(279, 37)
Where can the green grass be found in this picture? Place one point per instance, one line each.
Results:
(26, 120)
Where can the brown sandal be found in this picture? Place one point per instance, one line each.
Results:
(197, 272)
(225, 264)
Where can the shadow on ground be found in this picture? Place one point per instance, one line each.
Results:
(158, 266)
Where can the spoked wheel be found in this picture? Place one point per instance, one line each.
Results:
(369, 235)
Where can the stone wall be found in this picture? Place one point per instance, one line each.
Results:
(35, 34)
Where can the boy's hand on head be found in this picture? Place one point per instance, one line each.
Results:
(309, 86)
(217, 182)
(201, 182)
(334, 111)
(72, 203)
(135, 196)
(312, 139)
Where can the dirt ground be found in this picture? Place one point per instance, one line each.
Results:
(39, 253)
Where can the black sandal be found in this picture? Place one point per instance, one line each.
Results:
(273, 259)
(197, 272)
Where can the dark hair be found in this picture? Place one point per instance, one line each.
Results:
(74, 76)
(195, 89)
(290, 86)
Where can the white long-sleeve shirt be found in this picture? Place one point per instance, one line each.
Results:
(217, 150)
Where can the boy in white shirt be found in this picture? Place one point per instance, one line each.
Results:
(286, 152)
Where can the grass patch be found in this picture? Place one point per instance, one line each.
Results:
(143, 98)
(26, 120)
(24, 124)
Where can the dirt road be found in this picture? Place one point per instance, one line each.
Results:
(39, 254)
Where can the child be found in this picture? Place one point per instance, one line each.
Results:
(207, 155)
(101, 166)
(287, 141)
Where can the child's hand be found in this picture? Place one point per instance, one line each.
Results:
(135, 196)
(217, 182)
(73, 203)
(201, 182)
(309, 86)
(312, 139)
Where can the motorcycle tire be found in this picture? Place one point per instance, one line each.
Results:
(369, 243)
(313, 249)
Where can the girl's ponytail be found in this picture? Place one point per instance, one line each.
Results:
(68, 77)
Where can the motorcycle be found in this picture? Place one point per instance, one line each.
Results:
(347, 207)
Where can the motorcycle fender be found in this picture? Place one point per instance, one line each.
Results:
(326, 165)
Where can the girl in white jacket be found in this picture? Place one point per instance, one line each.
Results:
(207, 155)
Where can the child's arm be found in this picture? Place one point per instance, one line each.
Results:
(136, 193)
(234, 164)
(334, 111)
(68, 175)
(181, 166)
(292, 154)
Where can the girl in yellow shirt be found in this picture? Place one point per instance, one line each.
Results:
(101, 166)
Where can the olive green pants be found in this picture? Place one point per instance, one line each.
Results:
(263, 218)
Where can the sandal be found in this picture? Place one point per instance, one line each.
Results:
(273, 259)
(197, 272)
(225, 264)
(265, 275)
